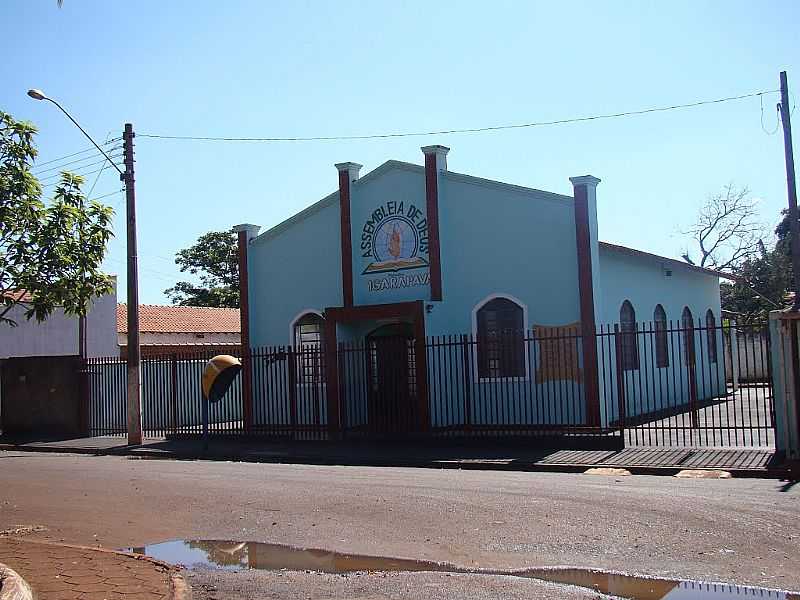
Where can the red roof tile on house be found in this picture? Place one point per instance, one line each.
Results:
(181, 319)
(17, 295)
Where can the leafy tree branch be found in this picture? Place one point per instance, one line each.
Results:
(50, 253)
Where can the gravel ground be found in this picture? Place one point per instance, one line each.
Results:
(737, 530)
(298, 585)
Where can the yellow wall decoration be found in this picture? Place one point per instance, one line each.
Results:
(559, 357)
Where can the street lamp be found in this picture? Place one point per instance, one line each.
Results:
(133, 359)
(40, 95)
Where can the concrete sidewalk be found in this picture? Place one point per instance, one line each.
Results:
(489, 455)
(66, 572)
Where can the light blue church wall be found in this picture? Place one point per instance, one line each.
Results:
(646, 281)
(503, 239)
(294, 267)
(500, 239)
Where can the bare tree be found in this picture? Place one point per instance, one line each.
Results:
(727, 231)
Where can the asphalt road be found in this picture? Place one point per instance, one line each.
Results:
(739, 530)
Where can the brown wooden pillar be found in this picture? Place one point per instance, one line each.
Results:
(435, 161)
(348, 172)
(586, 241)
(245, 233)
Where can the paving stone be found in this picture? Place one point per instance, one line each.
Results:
(63, 572)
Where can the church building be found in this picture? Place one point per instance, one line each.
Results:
(418, 297)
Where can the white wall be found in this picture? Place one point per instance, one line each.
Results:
(148, 338)
(644, 282)
(58, 335)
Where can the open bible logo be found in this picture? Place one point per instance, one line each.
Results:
(395, 237)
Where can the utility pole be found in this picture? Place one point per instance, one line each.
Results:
(83, 373)
(794, 224)
(794, 232)
(134, 356)
(82, 351)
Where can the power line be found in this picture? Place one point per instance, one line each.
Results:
(777, 123)
(82, 174)
(150, 271)
(106, 195)
(85, 150)
(453, 131)
(72, 162)
(97, 178)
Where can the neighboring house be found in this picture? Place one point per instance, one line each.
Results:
(171, 329)
(58, 334)
(407, 252)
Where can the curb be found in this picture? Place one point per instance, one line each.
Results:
(143, 453)
(12, 585)
(179, 589)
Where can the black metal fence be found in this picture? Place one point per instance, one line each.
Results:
(696, 385)
(658, 384)
(171, 396)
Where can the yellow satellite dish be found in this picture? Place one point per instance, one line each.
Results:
(218, 375)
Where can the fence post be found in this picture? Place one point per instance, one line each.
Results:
(174, 394)
(733, 341)
(621, 400)
(85, 397)
(466, 365)
(691, 368)
(785, 338)
(291, 363)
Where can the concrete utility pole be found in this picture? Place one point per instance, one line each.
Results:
(794, 229)
(794, 225)
(82, 345)
(134, 351)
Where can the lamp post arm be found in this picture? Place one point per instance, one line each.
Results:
(69, 116)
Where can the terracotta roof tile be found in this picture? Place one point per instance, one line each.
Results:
(181, 319)
(17, 295)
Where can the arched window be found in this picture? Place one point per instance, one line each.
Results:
(307, 339)
(662, 347)
(687, 324)
(501, 343)
(711, 332)
(630, 348)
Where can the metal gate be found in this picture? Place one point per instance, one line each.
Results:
(695, 384)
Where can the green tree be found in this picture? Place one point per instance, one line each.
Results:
(762, 281)
(50, 253)
(214, 260)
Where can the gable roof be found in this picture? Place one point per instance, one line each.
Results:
(333, 197)
(670, 261)
(181, 319)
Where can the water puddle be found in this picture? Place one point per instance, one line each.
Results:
(237, 556)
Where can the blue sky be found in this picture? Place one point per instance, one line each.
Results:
(340, 68)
